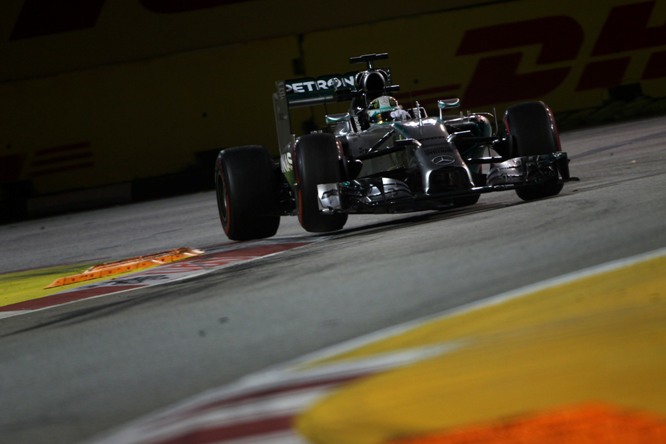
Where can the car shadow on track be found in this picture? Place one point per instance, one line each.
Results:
(426, 217)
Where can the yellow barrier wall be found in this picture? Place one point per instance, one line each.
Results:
(116, 91)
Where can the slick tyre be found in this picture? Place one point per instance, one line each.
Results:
(246, 188)
(531, 130)
(316, 162)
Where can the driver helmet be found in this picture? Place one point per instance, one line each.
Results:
(381, 109)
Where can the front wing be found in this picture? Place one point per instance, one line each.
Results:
(387, 195)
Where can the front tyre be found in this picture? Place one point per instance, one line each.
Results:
(531, 131)
(245, 184)
(316, 162)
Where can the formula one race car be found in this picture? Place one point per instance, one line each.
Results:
(379, 157)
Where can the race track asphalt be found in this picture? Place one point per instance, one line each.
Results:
(76, 371)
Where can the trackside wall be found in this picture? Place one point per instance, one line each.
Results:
(133, 98)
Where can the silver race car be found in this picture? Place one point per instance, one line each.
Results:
(381, 157)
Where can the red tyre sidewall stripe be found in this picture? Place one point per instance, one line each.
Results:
(555, 130)
(227, 203)
(299, 188)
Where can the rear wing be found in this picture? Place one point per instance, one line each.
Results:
(308, 91)
(315, 91)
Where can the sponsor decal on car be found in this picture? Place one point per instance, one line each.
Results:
(327, 83)
(287, 167)
(286, 162)
(445, 159)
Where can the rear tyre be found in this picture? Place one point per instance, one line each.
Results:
(531, 130)
(245, 184)
(316, 162)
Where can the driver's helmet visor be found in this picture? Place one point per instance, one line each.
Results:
(380, 108)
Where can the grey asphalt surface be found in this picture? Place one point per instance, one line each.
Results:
(70, 373)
